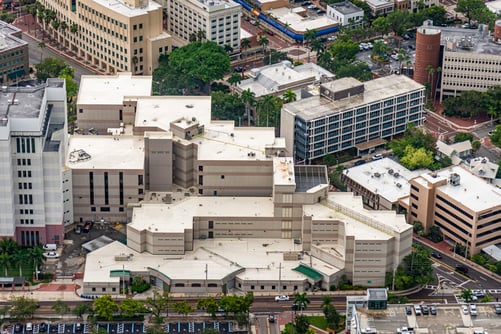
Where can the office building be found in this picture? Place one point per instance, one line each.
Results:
(351, 114)
(216, 20)
(36, 188)
(114, 36)
(346, 13)
(14, 63)
(464, 206)
(380, 7)
(382, 183)
(275, 79)
(469, 59)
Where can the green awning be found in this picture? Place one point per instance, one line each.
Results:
(309, 272)
(120, 273)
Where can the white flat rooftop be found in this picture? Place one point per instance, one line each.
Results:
(178, 216)
(106, 152)
(379, 177)
(124, 9)
(223, 141)
(299, 23)
(283, 171)
(111, 89)
(472, 192)
(261, 259)
(375, 90)
(160, 111)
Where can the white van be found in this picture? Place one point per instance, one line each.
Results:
(50, 247)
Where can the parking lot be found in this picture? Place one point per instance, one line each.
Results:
(448, 319)
(119, 327)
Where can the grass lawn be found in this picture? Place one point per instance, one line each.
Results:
(318, 321)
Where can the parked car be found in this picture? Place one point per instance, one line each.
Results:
(88, 226)
(271, 317)
(28, 327)
(497, 308)
(42, 327)
(433, 310)
(412, 47)
(78, 229)
(408, 310)
(417, 309)
(359, 163)
(473, 309)
(50, 247)
(51, 255)
(464, 309)
(238, 69)
(18, 328)
(281, 298)
(425, 310)
(78, 327)
(377, 157)
(490, 133)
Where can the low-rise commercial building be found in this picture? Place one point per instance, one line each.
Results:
(464, 206)
(349, 113)
(14, 60)
(346, 13)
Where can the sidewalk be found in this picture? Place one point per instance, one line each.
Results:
(30, 28)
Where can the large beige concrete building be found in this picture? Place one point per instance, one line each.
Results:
(13, 54)
(215, 208)
(464, 206)
(300, 238)
(114, 36)
(217, 20)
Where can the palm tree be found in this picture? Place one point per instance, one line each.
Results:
(192, 37)
(431, 72)
(228, 48)
(309, 35)
(135, 60)
(235, 79)
(5, 262)
(266, 102)
(326, 301)
(8, 245)
(301, 300)
(19, 258)
(41, 45)
(245, 44)
(317, 46)
(248, 100)
(289, 96)
(201, 35)
(74, 28)
(37, 255)
(263, 41)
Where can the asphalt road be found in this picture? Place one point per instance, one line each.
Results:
(35, 54)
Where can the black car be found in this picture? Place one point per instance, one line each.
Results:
(461, 268)
(238, 69)
(18, 328)
(359, 162)
(271, 317)
(408, 310)
(436, 255)
(42, 327)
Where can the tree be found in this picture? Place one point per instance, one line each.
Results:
(469, 8)
(289, 96)
(462, 136)
(204, 62)
(399, 21)
(60, 307)
(235, 79)
(19, 258)
(80, 309)
(309, 36)
(317, 46)
(41, 45)
(5, 262)
(301, 324)
(380, 24)
(104, 307)
(37, 255)
(158, 303)
(263, 41)
(248, 100)
(467, 295)
(183, 308)
(209, 305)
(416, 158)
(22, 307)
(9, 246)
(245, 44)
(49, 68)
(344, 48)
(302, 301)
(226, 106)
(129, 307)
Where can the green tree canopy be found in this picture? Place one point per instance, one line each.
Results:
(462, 136)
(60, 307)
(50, 68)
(22, 307)
(130, 307)
(469, 8)
(203, 61)
(417, 158)
(105, 306)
